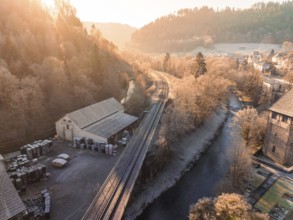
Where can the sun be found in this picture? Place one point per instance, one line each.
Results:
(49, 3)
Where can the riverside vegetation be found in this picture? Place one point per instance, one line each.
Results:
(200, 85)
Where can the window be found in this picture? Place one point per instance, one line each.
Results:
(64, 119)
(276, 134)
(67, 126)
(285, 118)
(274, 115)
(274, 149)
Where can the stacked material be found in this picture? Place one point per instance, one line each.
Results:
(47, 202)
(37, 149)
(17, 162)
(100, 146)
(76, 142)
(38, 208)
(90, 144)
(83, 143)
(34, 208)
(24, 176)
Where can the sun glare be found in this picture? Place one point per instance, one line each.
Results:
(49, 3)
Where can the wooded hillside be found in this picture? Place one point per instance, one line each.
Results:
(119, 34)
(50, 65)
(189, 28)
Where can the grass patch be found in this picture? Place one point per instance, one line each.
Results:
(256, 179)
(275, 196)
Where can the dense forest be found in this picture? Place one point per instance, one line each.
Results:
(189, 28)
(50, 65)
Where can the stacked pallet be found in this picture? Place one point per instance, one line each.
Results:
(37, 149)
(17, 162)
(24, 176)
(90, 144)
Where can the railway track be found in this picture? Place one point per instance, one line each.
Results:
(111, 200)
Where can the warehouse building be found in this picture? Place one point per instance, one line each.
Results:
(11, 205)
(101, 122)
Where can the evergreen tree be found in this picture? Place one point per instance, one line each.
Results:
(166, 62)
(201, 65)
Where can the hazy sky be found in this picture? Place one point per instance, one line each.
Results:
(140, 12)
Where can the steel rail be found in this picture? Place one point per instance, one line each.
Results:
(111, 200)
(123, 200)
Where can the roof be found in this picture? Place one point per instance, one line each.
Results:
(89, 115)
(285, 104)
(111, 125)
(10, 202)
(63, 156)
(59, 162)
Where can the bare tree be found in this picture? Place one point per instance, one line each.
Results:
(224, 207)
(251, 83)
(204, 209)
(234, 206)
(289, 76)
(251, 126)
(240, 168)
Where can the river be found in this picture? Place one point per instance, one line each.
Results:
(200, 181)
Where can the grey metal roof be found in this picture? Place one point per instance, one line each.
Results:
(285, 104)
(89, 115)
(10, 202)
(111, 125)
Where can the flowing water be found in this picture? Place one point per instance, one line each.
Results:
(200, 181)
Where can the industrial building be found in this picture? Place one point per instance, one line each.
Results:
(279, 136)
(11, 205)
(100, 122)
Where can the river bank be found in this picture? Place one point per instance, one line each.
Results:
(188, 153)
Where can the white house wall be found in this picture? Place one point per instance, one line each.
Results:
(61, 128)
(60, 125)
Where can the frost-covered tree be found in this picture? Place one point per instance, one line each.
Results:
(251, 126)
(224, 207)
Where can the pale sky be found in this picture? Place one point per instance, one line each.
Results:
(137, 13)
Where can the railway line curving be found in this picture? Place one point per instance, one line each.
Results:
(111, 200)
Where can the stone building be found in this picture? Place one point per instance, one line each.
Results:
(279, 136)
(100, 121)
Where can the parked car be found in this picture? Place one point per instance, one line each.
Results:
(59, 162)
(64, 156)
